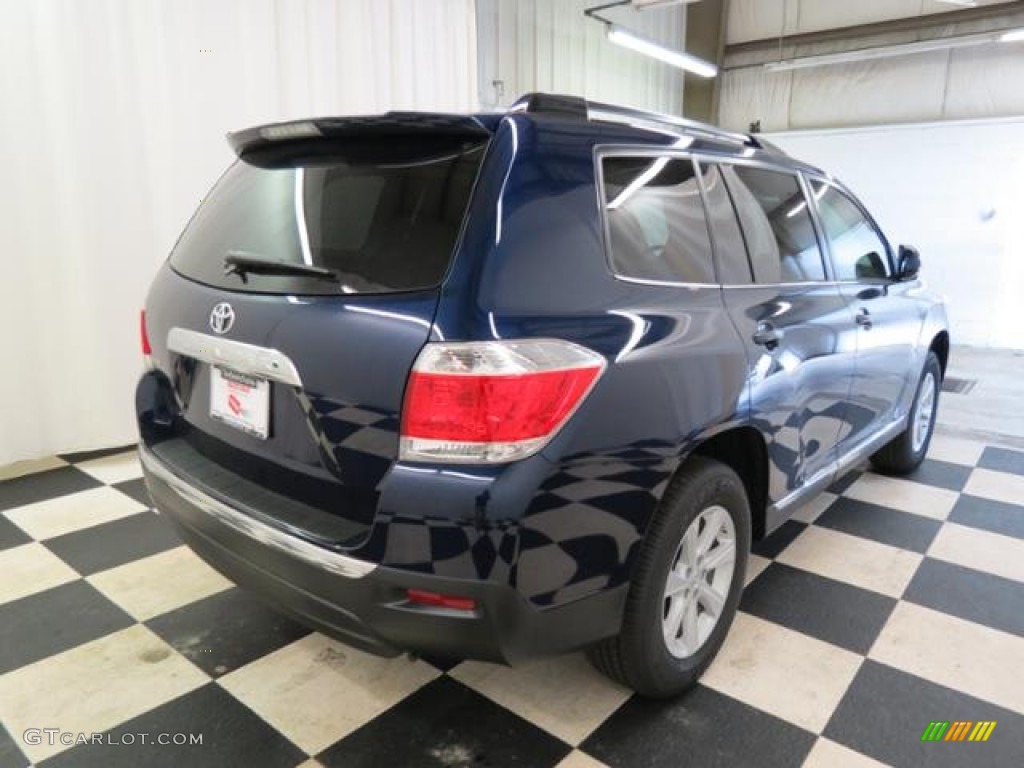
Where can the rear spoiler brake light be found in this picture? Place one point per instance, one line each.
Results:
(390, 124)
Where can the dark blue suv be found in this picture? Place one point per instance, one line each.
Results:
(498, 386)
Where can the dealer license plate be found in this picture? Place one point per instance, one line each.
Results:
(241, 401)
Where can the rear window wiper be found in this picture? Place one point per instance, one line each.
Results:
(241, 264)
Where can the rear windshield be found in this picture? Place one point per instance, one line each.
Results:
(383, 218)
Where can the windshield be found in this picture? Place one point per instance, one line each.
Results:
(378, 226)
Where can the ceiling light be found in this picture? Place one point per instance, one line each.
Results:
(627, 39)
(1013, 36)
(964, 3)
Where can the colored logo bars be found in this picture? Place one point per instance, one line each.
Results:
(960, 730)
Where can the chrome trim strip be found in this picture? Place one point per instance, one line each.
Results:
(342, 565)
(838, 467)
(244, 358)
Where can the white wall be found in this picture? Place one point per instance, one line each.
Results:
(955, 190)
(113, 118)
(550, 46)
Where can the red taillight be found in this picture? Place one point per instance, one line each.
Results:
(480, 402)
(146, 349)
(441, 601)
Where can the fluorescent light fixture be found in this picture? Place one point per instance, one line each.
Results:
(647, 5)
(627, 39)
(963, 3)
(890, 51)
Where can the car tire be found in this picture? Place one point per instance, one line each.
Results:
(906, 452)
(650, 655)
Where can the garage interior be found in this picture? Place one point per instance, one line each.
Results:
(883, 606)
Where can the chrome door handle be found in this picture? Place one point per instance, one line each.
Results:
(767, 335)
(864, 319)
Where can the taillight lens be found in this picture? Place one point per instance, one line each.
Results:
(493, 401)
(147, 350)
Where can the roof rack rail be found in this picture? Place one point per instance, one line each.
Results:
(574, 106)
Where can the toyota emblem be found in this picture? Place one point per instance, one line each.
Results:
(222, 318)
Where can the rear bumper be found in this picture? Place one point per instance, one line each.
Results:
(364, 604)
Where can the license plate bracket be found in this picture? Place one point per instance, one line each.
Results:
(240, 400)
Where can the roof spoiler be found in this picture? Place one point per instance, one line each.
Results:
(390, 124)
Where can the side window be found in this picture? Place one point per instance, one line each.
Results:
(858, 251)
(777, 224)
(656, 223)
(730, 249)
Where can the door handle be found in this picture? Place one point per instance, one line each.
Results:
(864, 319)
(767, 335)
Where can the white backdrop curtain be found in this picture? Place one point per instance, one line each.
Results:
(112, 118)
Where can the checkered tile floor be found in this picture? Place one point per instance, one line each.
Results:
(885, 605)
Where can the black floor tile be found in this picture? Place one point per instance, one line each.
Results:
(10, 754)
(1002, 460)
(701, 728)
(885, 712)
(81, 456)
(829, 610)
(41, 486)
(11, 535)
(942, 474)
(49, 622)
(226, 631)
(995, 516)
(888, 526)
(443, 663)
(772, 546)
(231, 735)
(446, 724)
(136, 489)
(115, 543)
(969, 594)
(844, 482)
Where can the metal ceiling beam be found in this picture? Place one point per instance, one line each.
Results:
(910, 24)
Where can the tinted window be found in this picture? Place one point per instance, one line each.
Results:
(858, 252)
(780, 234)
(656, 222)
(382, 223)
(730, 250)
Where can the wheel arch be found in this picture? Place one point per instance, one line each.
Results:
(743, 449)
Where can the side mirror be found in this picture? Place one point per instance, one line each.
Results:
(909, 263)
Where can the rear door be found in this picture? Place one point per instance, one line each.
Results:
(289, 385)
(795, 323)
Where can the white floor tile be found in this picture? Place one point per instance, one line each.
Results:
(980, 550)
(94, 687)
(962, 655)
(855, 560)
(998, 486)
(577, 759)
(566, 696)
(828, 754)
(114, 469)
(316, 691)
(153, 585)
(53, 517)
(905, 495)
(31, 568)
(755, 567)
(789, 674)
(956, 450)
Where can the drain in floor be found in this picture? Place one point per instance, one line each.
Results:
(958, 386)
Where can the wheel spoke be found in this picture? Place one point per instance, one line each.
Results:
(676, 583)
(670, 626)
(689, 549)
(723, 554)
(712, 527)
(712, 600)
(690, 629)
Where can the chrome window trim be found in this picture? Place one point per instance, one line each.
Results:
(337, 563)
(848, 194)
(243, 358)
